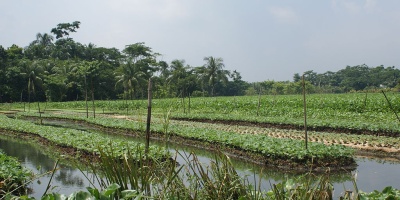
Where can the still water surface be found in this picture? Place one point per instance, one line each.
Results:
(372, 174)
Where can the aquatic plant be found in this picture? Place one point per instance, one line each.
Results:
(13, 177)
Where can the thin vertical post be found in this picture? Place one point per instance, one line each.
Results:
(305, 112)
(259, 101)
(189, 104)
(390, 105)
(93, 105)
(148, 119)
(86, 97)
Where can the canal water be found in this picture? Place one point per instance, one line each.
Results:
(371, 173)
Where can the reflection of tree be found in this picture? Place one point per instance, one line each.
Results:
(29, 153)
(69, 176)
(26, 152)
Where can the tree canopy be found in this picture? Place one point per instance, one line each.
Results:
(60, 69)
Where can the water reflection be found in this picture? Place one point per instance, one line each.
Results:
(66, 180)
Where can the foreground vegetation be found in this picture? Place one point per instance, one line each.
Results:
(361, 118)
(126, 179)
(13, 176)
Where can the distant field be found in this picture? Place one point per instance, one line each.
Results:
(357, 111)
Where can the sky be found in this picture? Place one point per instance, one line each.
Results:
(261, 39)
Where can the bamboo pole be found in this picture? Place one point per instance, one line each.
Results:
(390, 105)
(148, 119)
(86, 97)
(93, 105)
(259, 101)
(189, 104)
(305, 112)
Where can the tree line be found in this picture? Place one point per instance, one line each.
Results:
(57, 68)
(350, 79)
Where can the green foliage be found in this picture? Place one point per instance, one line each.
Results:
(13, 176)
(303, 188)
(63, 29)
(388, 193)
(81, 140)
(272, 148)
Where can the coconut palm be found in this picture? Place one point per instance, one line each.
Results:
(214, 72)
(180, 75)
(201, 77)
(31, 71)
(41, 47)
(44, 40)
(130, 76)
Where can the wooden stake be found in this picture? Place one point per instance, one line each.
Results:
(390, 105)
(86, 97)
(189, 104)
(93, 105)
(148, 119)
(259, 101)
(305, 112)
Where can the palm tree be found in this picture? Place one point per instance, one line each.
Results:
(44, 40)
(201, 77)
(215, 72)
(163, 67)
(31, 71)
(42, 46)
(130, 76)
(179, 75)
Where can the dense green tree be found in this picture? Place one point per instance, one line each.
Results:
(296, 77)
(236, 86)
(65, 49)
(144, 60)
(312, 77)
(354, 78)
(64, 29)
(15, 53)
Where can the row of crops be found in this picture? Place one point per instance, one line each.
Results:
(356, 111)
(358, 141)
(83, 141)
(272, 149)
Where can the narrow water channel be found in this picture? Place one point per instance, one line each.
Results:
(372, 174)
(66, 180)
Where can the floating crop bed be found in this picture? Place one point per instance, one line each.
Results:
(83, 141)
(283, 153)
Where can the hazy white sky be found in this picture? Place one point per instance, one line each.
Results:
(262, 39)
